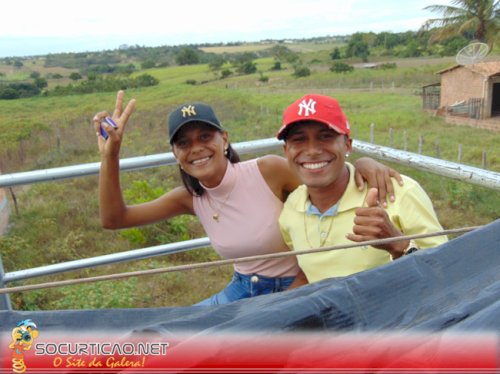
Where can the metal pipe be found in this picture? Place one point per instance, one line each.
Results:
(135, 254)
(5, 303)
(453, 170)
(448, 169)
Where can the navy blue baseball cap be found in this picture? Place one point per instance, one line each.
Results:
(193, 112)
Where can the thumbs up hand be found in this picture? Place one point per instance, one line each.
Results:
(371, 199)
(372, 222)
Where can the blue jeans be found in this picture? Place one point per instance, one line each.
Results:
(243, 286)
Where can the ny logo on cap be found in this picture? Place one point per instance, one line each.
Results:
(188, 111)
(308, 107)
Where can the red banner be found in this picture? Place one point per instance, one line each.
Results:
(327, 351)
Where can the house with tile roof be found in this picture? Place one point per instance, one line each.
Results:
(471, 90)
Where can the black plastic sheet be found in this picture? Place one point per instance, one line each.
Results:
(453, 287)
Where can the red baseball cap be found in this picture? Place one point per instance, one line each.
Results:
(318, 108)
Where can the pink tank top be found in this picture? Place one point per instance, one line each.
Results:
(248, 221)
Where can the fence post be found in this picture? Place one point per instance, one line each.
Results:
(405, 140)
(484, 162)
(372, 128)
(459, 157)
(4, 298)
(437, 149)
(420, 143)
(391, 137)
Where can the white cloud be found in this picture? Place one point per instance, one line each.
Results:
(108, 23)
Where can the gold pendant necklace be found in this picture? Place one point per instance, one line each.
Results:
(215, 215)
(323, 235)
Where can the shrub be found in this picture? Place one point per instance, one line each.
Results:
(148, 64)
(335, 55)
(276, 66)
(248, 67)
(8, 93)
(144, 80)
(225, 73)
(388, 65)
(75, 76)
(341, 67)
(187, 56)
(301, 71)
(18, 90)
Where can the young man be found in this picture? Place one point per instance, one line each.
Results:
(328, 209)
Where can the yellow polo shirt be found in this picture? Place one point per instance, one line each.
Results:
(412, 213)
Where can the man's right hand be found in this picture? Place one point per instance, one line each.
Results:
(372, 222)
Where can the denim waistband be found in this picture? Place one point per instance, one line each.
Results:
(258, 281)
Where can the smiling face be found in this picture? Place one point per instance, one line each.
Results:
(316, 153)
(199, 149)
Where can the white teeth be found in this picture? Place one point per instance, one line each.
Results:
(315, 165)
(195, 162)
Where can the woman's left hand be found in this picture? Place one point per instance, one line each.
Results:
(377, 176)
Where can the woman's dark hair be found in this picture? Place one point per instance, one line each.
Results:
(193, 185)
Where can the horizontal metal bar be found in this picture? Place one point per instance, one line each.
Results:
(126, 164)
(464, 173)
(440, 167)
(82, 170)
(136, 254)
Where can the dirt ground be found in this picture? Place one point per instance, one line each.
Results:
(492, 123)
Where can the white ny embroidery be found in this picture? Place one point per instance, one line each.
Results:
(308, 107)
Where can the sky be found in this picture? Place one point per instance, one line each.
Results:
(36, 27)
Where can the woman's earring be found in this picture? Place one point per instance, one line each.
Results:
(225, 151)
(346, 155)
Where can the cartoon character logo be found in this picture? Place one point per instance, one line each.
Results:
(22, 338)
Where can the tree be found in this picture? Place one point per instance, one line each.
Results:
(216, 64)
(244, 63)
(358, 47)
(248, 67)
(335, 55)
(187, 56)
(282, 53)
(41, 82)
(481, 17)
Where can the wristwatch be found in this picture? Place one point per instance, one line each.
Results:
(412, 247)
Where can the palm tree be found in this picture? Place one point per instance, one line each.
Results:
(480, 17)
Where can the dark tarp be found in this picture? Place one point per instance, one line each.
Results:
(454, 287)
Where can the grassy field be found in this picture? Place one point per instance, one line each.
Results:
(58, 221)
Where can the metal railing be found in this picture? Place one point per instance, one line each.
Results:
(440, 167)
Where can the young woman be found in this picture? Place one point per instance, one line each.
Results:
(238, 203)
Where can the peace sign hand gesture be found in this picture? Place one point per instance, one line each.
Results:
(113, 126)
